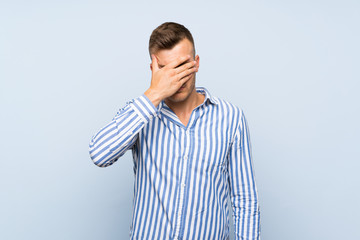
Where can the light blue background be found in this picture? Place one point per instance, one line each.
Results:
(66, 67)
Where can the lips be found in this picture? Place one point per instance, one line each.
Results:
(181, 88)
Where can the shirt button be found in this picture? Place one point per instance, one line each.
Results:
(186, 157)
(183, 184)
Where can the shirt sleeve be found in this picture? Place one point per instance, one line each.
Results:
(112, 141)
(243, 191)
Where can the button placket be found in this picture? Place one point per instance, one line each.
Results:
(183, 180)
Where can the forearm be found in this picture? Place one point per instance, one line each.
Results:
(246, 216)
(112, 141)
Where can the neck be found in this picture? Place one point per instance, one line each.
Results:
(187, 106)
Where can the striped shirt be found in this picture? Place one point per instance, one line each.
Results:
(184, 174)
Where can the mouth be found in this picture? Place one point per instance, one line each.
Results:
(182, 87)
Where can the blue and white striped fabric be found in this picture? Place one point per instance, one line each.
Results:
(184, 174)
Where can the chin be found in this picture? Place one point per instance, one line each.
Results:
(176, 98)
(180, 96)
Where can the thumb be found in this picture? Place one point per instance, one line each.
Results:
(154, 63)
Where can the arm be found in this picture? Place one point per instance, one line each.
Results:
(112, 141)
(243, 191)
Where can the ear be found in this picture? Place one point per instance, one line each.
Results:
(197, 59)
(151, 66)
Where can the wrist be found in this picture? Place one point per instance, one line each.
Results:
(153, 96)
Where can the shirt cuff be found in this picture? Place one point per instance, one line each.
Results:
(144, 108)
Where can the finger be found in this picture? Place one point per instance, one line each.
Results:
(178, 61)
(154, 63)
(185, 79)
(186, 72)
(185, 67)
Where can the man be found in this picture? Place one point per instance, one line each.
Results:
(190, 150)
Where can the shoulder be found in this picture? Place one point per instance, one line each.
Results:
(229, 108)
(232, 116)
(224, 107)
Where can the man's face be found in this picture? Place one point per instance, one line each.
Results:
(183, 48)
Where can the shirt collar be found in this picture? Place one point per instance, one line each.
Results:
(201, 90)
(207, 94)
